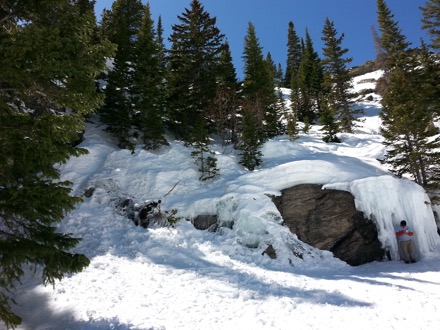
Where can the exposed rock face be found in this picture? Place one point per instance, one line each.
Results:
(205, 221)
(210, 222)
(327, 219)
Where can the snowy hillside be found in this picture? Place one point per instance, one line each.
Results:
(181, 278)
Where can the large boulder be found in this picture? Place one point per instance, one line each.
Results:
(328, 219)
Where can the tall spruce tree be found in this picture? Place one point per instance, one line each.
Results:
(121, 26)
(338, 97)
(258, 85)
(412, 141)
(147, 87)
(293, 55)
(193, 60)
(47, 85)
(408, 107)
(431, 21)
(431, 67)
(392, 41)
(163, 68)
(223, 111)
(251, 125)
(309, 82)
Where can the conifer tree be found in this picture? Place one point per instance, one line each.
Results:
(121, 26)
(193, 60)
(430, 66)
(250, 139)
(392, 42)
(330, 126)
(409, 108)
(259, 121)
(163, 67)
(339, 81)
(273, 114)
(223, 111)
(47, 85)
(429, 71)
(147, 88)
(258, 85)
(412, 142)
(279, 76)
(431, 21)
(293, 55)
(309, 82)
(204, 158)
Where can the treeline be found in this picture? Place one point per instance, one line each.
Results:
(191, 90)
(53, 54)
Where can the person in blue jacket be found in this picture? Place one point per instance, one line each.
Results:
(404, 237)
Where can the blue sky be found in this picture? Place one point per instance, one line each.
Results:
(354, 18)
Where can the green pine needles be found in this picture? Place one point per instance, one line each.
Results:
(48, 84)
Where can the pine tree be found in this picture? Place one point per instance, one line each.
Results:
(293, 55)
(147, 88)
(193, 60)
(259, 105)
(279, 76)
(273, 115)
(204, 158)
(250, 140)
(392, 42)
(258, 85)
(223, 110)
(339, 80)
(431, 21)
(47, 85)
(309, 82)
(411, 139)
(163, 68)
(409, 107)
(429, 71)
(330, 126)
(121, 26)
(429, 63)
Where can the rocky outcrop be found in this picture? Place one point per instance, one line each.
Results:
(210, 222)
(327, 219)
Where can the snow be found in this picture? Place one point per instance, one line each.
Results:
(182, 278)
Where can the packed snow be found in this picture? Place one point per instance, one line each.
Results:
(177, 277)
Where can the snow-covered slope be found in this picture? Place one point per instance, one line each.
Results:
(181, 278)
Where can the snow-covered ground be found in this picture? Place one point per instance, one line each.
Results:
(181, 278)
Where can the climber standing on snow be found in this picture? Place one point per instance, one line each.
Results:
(404, 237)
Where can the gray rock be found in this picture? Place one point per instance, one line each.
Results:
(328, 220)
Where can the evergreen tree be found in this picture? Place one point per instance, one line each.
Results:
(392, 42)
(279, 76)
(250, 140)
(273, 114)
(259, 102)
(146, 90)
(258, 86)
(293, 55)
(163, 67)
(47, 85)
(409, 107)
(429, 71)
(223, 111)
(204, 158)
(411, 139)
(431, 21)
(193, 60)
(121, 26)
(330, 126)
(339, 80)
(309, 82)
